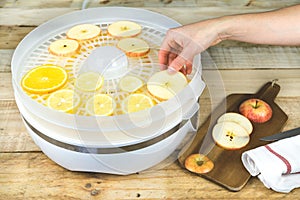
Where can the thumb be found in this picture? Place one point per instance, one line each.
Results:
(176, 64)
(185, 58)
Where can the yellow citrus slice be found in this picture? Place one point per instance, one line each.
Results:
(130, 83)
(89, 81)
(101, 105)
(44, 79)
(137, 102)
(64, 100)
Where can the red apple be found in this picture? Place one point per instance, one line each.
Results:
(256, 110)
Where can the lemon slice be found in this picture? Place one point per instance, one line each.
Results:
(64, 100)
(84, 32)
(44, 79)
(101, 105)
(89, 81)
(130, 83)
(136, 102)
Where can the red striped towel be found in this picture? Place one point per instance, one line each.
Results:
(277, 165)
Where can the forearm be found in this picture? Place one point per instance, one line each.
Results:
(280, 27)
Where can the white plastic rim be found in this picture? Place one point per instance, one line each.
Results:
(95, 139)
(125, 122)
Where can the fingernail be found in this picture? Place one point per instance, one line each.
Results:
(171, 70)
(163, 67)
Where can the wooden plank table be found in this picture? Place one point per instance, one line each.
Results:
(26, 173)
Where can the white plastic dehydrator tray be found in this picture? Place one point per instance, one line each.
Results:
(33, 51)
(100, 132)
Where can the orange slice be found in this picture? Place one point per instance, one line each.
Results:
(44, 79)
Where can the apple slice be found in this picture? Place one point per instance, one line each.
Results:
(83, 32)
(134, 47)
(198, 163)
(124, 29)
(164, 86)
(230, 135)
(237, 118)
(64, 47)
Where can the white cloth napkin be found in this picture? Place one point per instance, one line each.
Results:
(277, 164)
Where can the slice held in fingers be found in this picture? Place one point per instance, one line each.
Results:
(164, 86)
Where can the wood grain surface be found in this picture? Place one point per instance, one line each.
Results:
(26, 173)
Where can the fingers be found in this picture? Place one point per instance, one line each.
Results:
(180, 64)
(174, 62)
(163, 57)
(176, 53)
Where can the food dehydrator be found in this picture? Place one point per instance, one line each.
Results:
(123, 143)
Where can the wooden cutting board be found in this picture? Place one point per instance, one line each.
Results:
(229, 170)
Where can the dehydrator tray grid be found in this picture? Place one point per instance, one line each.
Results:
(142, 67)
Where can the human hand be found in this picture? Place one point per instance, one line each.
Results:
(181, 45)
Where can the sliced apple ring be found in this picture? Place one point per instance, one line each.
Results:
(198, 163)
(237, 118)
(83, 32)
(134, 47)
(164, 86)
(230, 135)
(64, 47)
(122, 29)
